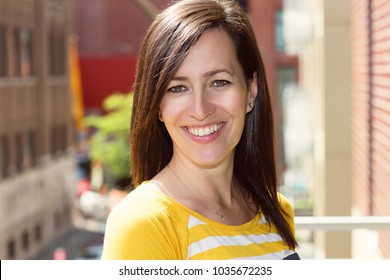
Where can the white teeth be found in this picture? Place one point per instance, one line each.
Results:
(204, 131)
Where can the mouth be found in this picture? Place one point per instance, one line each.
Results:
(204, 131)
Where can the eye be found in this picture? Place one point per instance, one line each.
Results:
(220, 83)
(177, 89)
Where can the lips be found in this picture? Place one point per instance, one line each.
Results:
(204, 131)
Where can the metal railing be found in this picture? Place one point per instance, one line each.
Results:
(368, 225)
(342, 223)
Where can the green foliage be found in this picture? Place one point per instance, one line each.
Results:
(110, 142)
(301, 204)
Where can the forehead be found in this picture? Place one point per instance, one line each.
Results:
(214, 49)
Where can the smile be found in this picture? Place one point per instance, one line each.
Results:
(204, 131)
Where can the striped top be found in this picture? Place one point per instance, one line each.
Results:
(148, 225)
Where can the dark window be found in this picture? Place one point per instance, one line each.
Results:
(62, 55)
(19, 151)
(3, 52)
(58, 139)
(5, 158)
(52, 54)
(31, 152)
(11, 252)
(57, 54)
(25, 241)
(17, 46)
(26, 54)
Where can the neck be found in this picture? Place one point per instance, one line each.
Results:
(217, 208)
(214, 184)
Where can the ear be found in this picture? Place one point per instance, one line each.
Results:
(160, 117)
(252, 93)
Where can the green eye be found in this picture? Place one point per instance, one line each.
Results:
(220, 83)
(177, 89)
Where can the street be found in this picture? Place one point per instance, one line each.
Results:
(83, 241)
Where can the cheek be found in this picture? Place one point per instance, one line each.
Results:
(170, 108)
(235, 103)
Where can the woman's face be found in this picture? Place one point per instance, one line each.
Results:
(206, 102)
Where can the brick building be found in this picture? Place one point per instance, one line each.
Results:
(36, 126)
(371, 110)
(345, 68)
(282, 68)
(110, 34)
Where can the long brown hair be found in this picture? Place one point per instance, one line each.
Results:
(164, 48)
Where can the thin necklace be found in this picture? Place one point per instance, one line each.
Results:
(220, 215)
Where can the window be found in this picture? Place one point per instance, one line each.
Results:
(58, 138)
(52, 54)
(5, 157)
(21, 52)
(57, 54)
(31, 152)
(285, 75)
(3, 52)
(62, 54)
(11, 252)
(25, 240)
(16, 65)
(26, 53)
(279, 32)
(19, 151)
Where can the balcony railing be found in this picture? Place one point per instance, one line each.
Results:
(364, 226)
(342, 223)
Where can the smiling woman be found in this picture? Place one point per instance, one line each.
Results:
(201, 140)
(209, 92)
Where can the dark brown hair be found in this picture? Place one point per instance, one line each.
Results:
(164, 48)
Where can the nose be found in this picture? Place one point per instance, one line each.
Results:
(200, 106)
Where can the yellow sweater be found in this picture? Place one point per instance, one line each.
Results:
(148, 225)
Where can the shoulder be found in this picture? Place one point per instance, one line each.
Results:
(284, 202)
(143, 225)
(287, 208)
(141, 203)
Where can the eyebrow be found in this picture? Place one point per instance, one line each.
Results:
(207, 74)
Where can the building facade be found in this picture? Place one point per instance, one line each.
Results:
(282, 69)
(371, 111)
(345, 69)
(110, 34)
(37, 165)
(318, 31)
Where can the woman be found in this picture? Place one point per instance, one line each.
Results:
(202, 151)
